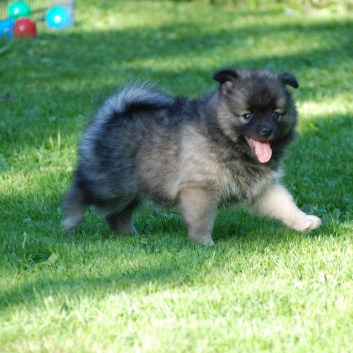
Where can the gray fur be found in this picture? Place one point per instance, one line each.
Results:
(186, 153)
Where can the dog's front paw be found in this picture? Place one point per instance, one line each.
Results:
(307, 223)
(205, 240)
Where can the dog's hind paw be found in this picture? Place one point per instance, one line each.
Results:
(70, 223)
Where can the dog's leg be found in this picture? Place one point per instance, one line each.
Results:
(199, 210)
(121, 222)
(74, 207)
(277, 203)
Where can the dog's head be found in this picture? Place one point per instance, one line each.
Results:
(256, 111)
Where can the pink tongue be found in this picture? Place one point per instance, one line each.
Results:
(263, 150)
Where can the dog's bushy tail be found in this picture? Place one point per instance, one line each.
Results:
(144, 93)
(134, 94)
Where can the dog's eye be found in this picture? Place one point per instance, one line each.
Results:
(247, 116)
(276, 115)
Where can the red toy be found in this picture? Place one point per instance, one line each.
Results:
(24, 27)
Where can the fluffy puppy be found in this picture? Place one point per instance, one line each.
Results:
(195, 154)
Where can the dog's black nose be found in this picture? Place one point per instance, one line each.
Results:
(266, 130)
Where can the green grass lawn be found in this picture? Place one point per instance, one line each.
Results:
(263, 287)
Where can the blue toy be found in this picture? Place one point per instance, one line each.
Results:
(22, 18)
(6, 28)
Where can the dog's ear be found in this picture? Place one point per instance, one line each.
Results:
(226, 78)
(289, 79)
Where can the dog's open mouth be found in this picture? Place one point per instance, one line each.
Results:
(261, 149)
